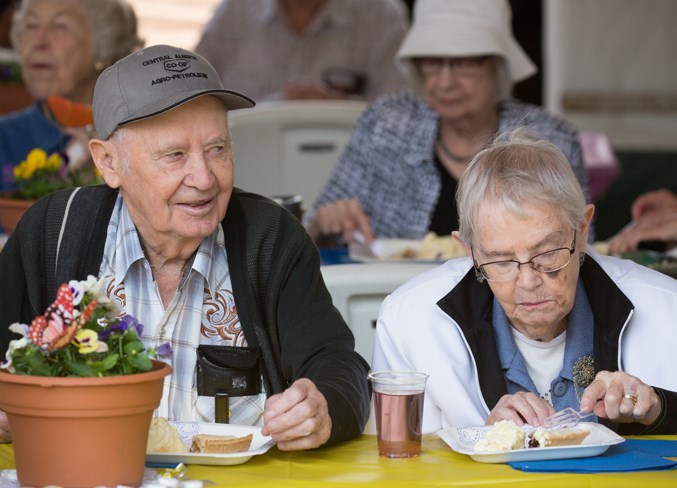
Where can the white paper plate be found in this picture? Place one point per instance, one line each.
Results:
(187, 430)
(463, 440)
(383, 250)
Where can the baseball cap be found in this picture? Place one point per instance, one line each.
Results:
(153, 80)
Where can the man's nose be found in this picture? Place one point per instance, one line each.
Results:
(200, 174)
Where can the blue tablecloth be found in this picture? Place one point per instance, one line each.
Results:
(631, 455)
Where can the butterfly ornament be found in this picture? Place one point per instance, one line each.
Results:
(61, 321)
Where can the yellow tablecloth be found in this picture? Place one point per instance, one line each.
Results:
(356, 463)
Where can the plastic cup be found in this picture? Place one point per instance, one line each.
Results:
(398, 408)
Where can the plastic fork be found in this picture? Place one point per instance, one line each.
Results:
(565, 418)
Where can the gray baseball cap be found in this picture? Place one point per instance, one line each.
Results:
(153, 80)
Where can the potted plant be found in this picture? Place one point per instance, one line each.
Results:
(42, 173)
(79, 390)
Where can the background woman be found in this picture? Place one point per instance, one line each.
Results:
(63, 46)
(398, 175)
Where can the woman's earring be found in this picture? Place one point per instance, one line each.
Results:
(98, 66)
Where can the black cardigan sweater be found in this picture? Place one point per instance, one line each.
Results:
(283, 304)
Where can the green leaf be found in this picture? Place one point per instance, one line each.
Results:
(109, 362)
(141, 362)
(133, 347)
(83, 370)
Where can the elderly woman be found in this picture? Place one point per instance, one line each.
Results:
(534, 320)
(63, 45)
(398, 175)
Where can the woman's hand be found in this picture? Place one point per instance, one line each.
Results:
(343, 217)
(621, 397)
(5, 432)
(521, 407)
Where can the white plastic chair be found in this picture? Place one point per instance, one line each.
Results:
(290, 147)
(357, 291)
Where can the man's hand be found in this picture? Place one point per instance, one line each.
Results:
(5, 433)
(622, 398)
(297, 418)
(344, 217)
(521, 407)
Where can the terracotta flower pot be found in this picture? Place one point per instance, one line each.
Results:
(11, 211)
(81, 432)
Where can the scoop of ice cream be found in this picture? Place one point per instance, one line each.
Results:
(504, 435)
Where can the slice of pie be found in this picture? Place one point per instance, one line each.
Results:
(541, 437)
(220, 444)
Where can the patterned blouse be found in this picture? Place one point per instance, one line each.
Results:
(389, 166)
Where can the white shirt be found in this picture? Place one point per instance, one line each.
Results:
(543, 359)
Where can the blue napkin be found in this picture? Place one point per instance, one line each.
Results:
(631, 455)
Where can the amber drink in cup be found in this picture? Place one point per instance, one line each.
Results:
(398, 408)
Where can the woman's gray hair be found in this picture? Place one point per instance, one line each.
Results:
(518, 168)
(113, 25)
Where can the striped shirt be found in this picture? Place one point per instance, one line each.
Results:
(202, 312)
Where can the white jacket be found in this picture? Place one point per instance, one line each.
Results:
(414, 333)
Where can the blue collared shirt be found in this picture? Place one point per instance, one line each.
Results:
(579, 343)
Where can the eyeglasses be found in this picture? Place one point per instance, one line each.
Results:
(545, 262)
(469, 66)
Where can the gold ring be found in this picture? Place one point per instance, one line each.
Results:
(632, 398)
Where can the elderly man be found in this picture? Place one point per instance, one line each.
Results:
(213, 270)
(534, 320)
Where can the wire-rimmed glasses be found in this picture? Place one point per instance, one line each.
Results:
(466, 66)
(545, 262)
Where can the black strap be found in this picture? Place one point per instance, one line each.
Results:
(249, 301)
(79, 244)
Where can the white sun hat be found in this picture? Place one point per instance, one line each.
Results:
(459, 28)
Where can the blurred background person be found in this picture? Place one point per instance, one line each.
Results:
(398, 174)
(6, 9)
(654, 224)
(13, 93)
(63, 45)
(307, 49)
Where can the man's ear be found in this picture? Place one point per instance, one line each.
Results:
(107, 161)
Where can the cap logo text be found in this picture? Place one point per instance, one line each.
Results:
(177, 65)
